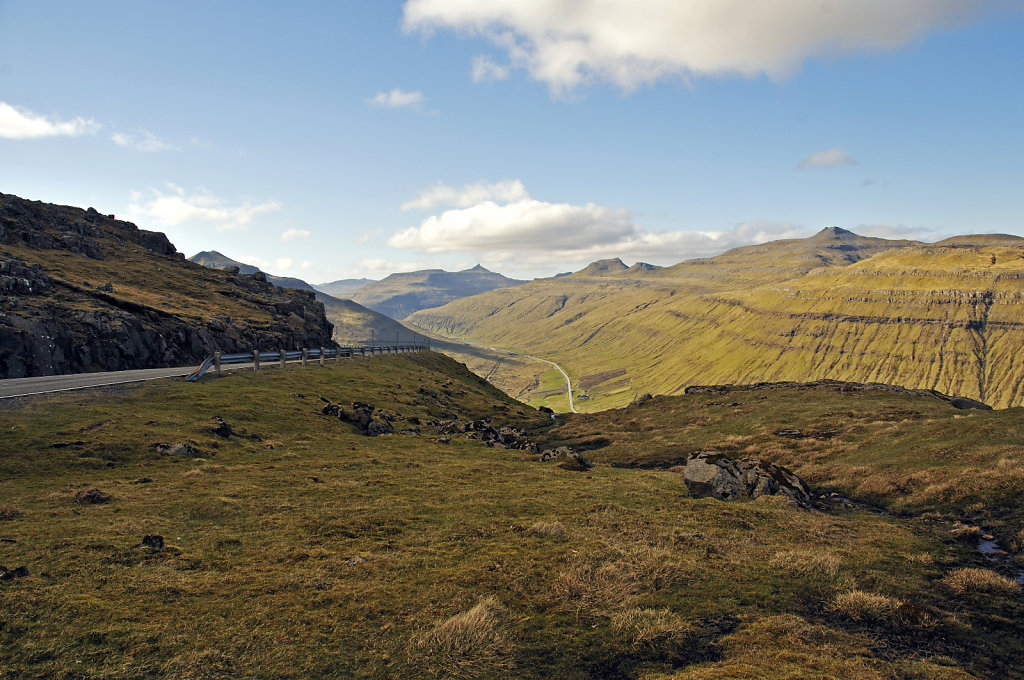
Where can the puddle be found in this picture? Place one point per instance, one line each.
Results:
(994, 552)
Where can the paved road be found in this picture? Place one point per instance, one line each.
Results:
(568, 383)
(21, 387)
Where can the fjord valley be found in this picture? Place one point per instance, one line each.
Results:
(944, 316)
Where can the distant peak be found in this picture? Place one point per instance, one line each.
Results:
(834, 233)
(479, 268)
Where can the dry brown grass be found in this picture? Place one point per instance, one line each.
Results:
(973, 580)
(466, 643)
(651, 627)
(863, 606)
(806, 562)
(965, 532)
(595, 587)
(548, 529)
(9, 512)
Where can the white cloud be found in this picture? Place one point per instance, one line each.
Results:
(293, 234)
(144, 141)
(19, 123)
(485, 69)
(283, 263)
(532, 233)
(178, 207)
(632, 42)
(523, 224)
(397, 99)
(829, 158)
(378, 267)
(465, 196)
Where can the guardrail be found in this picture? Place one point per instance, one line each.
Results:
(281, 357)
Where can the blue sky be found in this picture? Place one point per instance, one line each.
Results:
(344, 139)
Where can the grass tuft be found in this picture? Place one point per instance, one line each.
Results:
(462, 645)
(548, 529)
(651, 627)
(973, 580)
(863, 606)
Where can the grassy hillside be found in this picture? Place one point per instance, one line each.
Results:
(298, 547)
(945, 318)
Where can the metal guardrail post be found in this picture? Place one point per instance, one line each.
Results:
(281, 352)
(321, 356)
(255, 360)
(304, 355)
(216, 362)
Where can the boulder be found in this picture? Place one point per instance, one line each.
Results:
(568, 459)
(715, 475)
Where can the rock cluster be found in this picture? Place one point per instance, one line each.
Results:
(370, 420)
(713, 474)
(497, 437)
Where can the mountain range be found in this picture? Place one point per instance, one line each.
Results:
(944, 316)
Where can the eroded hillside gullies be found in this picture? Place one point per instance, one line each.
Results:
(947, 317)
(84, 292)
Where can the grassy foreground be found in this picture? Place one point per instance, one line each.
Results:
(310, 550)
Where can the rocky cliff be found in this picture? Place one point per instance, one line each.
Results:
(81, 291)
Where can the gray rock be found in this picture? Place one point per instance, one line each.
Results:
(715, 475)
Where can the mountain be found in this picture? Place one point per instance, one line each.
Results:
(400, 295)
(216, 260)
(342, 288)
(833, 306)
(82, 291)
(353, 323)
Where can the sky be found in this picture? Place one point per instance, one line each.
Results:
(343, 139)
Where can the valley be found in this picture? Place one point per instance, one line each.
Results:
(941, 316)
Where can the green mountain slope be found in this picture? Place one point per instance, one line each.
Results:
(402, 294)
(835, 306)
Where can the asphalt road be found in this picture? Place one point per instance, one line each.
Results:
(22, 387)
(568, 383)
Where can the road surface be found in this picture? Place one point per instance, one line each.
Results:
(568, 382)
(23, 387)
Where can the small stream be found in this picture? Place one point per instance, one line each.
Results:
(990, 548)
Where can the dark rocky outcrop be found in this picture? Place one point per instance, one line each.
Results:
(370, 420)
(54, 322)
(839, 386)
(713, 474)
(497, 437)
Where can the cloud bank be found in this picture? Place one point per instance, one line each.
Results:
(178, 207)
(19, 123)
(564, 43)
(505, 224)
